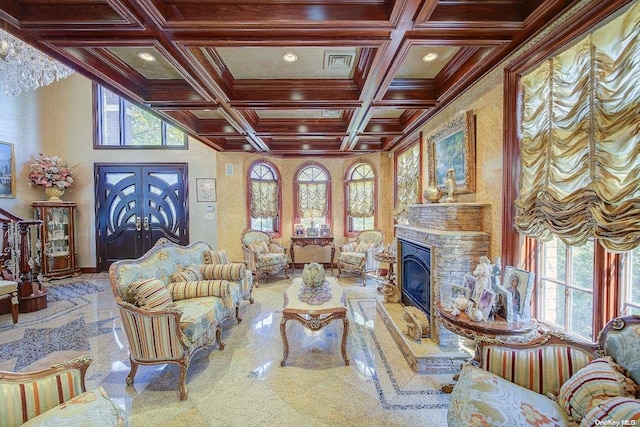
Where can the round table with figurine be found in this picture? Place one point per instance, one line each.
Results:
(390, 259)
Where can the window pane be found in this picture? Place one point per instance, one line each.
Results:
(552, 302)
(141, 128)
(581, 313)
(360, 224)
(554, 253)
(263, 224)
(634, 294)
(582, 263)
(110, 107)
(175, 136)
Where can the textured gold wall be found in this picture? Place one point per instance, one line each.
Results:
(232, 195)
(485, 99)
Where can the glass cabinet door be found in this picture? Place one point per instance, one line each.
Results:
(57, 242)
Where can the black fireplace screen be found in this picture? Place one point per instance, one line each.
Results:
(416, 275)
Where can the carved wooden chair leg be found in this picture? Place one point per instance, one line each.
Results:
(219, 338)
(132, 371)
(182, 392)
(238, 318)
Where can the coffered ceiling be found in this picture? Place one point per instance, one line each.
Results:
(359, 83)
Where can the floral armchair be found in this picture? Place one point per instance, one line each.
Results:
(56, 396)
(357, 256)
(262, 255)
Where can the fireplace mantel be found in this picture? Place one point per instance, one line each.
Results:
(457, 237)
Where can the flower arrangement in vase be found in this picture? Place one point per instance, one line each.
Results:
(53, 174)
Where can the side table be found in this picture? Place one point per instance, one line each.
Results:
(312, 249)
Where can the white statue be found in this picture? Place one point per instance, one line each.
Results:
(483, 277)
(450, 186)
(496, 271)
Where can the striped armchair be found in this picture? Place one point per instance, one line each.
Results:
(56, 396)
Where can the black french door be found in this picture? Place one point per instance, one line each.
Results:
(137, 204)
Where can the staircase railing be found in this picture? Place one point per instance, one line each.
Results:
(20, 256)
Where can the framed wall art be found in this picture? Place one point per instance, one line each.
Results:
(519, 283)
(453, 147)
(206, 189)
(7, 170)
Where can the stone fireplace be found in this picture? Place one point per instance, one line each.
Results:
(441, 242)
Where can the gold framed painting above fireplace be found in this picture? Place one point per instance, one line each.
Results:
(453, 147)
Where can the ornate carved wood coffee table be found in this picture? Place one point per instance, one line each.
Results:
(314, 317)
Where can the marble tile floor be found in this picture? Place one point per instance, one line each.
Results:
(244, 384)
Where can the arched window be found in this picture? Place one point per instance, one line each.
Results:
(312, 196)
(360, 198)
(264, 197)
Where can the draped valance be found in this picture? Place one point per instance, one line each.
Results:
(360, 203)
(312, 199)
(580, 146)
(264, 199)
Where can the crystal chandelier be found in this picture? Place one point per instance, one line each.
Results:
(23, 67)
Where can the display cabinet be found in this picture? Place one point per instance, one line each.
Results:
(58, 238)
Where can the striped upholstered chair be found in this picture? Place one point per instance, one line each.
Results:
(357, 256)
(56, 396)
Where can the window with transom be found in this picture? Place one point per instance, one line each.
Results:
(264, 197)
(312, 196)
(360, 195)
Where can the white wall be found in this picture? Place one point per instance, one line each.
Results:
(58, 120)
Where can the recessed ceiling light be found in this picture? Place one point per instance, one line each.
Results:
(431, 56)
(146, 56)
(290, 57)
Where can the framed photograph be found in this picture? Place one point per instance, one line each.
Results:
(459, 291)
(453, 147)
(325, 230)
(206, 189)
(485, 302)
(504, 303)
(520, 284)
(469, 282)
(312, 232)
(7, 171)
(299, 229)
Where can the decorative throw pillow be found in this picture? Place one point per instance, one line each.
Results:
(202, 288)
(190, 273)
(363, 247)
(259, 247)
(151, 294)
(275, 248)
(613, 410)
(591, 385)
(216, 257)
(349, 247)
(233, 271)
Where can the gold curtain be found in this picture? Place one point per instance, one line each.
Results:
(312, 197)
(264, 199)
(408, 170)
(360, 204)
(580, 146)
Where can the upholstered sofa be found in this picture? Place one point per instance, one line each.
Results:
(56, 396)
(553, 381)
(174, 301)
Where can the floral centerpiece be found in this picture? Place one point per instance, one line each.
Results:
(53, 174)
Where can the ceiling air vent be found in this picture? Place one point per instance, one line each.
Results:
(338, 60)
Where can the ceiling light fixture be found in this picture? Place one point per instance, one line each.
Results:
(23, 67)
(431, 56)
(290, 57)
(146, 56)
